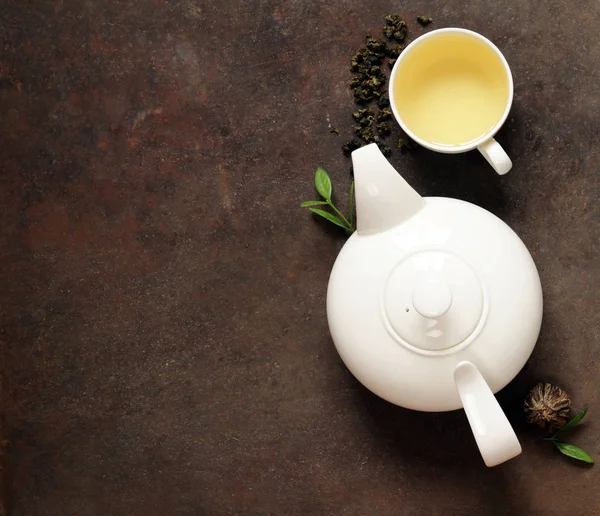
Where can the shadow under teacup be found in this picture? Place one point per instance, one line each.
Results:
(451, 91)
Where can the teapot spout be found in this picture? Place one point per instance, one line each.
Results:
(383, 198)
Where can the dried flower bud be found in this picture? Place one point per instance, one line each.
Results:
(547, 406)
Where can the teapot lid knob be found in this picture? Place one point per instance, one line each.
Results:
(432, 298)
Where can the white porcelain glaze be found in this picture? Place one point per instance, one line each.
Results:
(445, 282)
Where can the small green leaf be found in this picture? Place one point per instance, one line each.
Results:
(312, 203)
(352, 204)
(330, 217)
(575, 452)
(575, 421)
(323, 184)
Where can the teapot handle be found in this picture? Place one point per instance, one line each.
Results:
(495, 437)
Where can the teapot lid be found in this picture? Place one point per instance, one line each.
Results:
(434, 300)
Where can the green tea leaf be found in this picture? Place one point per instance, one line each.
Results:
(575, 452)
(575, 421)
(312, 203)
(329, 216)
(352, 204)
(323, 184)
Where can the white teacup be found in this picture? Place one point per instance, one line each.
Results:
(451, 91)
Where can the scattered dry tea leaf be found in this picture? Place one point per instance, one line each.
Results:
(369, 85)
(384, 101)
(383, 128)
(395, 27)
(366, 134)
(404, 145)
(364, 116)
(394, 50)
(376, 47)
(351, 146)
(384, 114)
(363, 95)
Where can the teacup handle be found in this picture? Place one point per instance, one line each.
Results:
(495, 156)
(495, 437)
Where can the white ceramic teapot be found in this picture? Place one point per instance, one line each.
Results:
(433, 303)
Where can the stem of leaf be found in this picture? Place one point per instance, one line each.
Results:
(349, 226)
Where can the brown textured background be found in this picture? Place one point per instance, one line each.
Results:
(164, 347)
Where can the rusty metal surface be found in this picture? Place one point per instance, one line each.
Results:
(163, 337)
